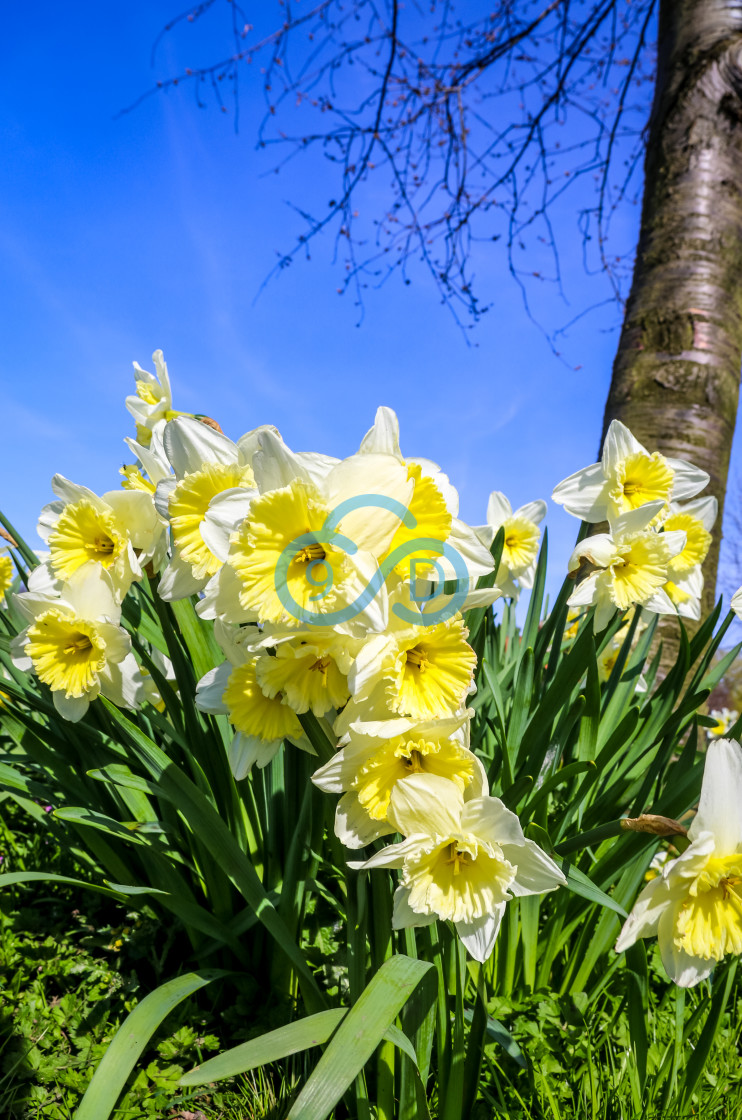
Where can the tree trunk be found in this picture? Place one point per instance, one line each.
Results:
(676, 375)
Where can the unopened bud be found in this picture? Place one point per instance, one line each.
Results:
(207, 420)
(656, 825)
(7, 537)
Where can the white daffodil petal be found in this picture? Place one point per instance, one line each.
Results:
(720, 806)
(634, 520)
(178, 581)
(210, 690)
(363, 479)
(383, 437)
(249, 444)
(498, 509)
(619, 443)
(484, 597)
(688, 481)
(599, 550)
(426, 804)
(584, 594)
(706, 509)
(163, 490)
(490, 820)
(353, 825)
(48, 519)
(71, 708)
(584, 494)
(479, 936)
(394, 855)
(224, 514)
(403, 916)
(189, 444)
(122, 683)
(247, 750)
(533, 511)
(275, 465)
(685, 970)
(644, 919)
(329, 778)
(71, 492)
(89, 591)
(536, 872)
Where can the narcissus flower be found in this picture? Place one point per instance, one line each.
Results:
(374, 756)
(460, 861)
(119, 532)
(625, 567)
(75, 645)
(725, 718)
(152, 404)
(685, 575)
(694, 907)
(209, 469)
(521, 545)
(261, 722)
(308, 668)
(423, 672)
(298, 498)
(627, 477)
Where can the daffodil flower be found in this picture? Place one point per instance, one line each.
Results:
(75, 645)
(422, 672)
(627, 477)
(725, 718)
(685, 575)
(298, 496)
(261, 722)
(521, 545)
(209, 468)
(694, 906)
(460, 861)
(625, 567)
(119, 532)
(152, 403)
(375, 755)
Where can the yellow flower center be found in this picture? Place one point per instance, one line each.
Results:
(313, 575)
(306, 676)
(254, 713)
(520, 548)
(639, 571)
(428, 507)
(431, 673)
(67, 652)
(460, 879)
(397, 758)
(697, 543)
(149, 393)
(187, 507)
(710, 920)
(641, 478)
(84, 533)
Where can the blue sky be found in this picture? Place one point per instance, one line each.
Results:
(119, 235)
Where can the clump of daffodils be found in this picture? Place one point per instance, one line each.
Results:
(324, 580)
(652, 554)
